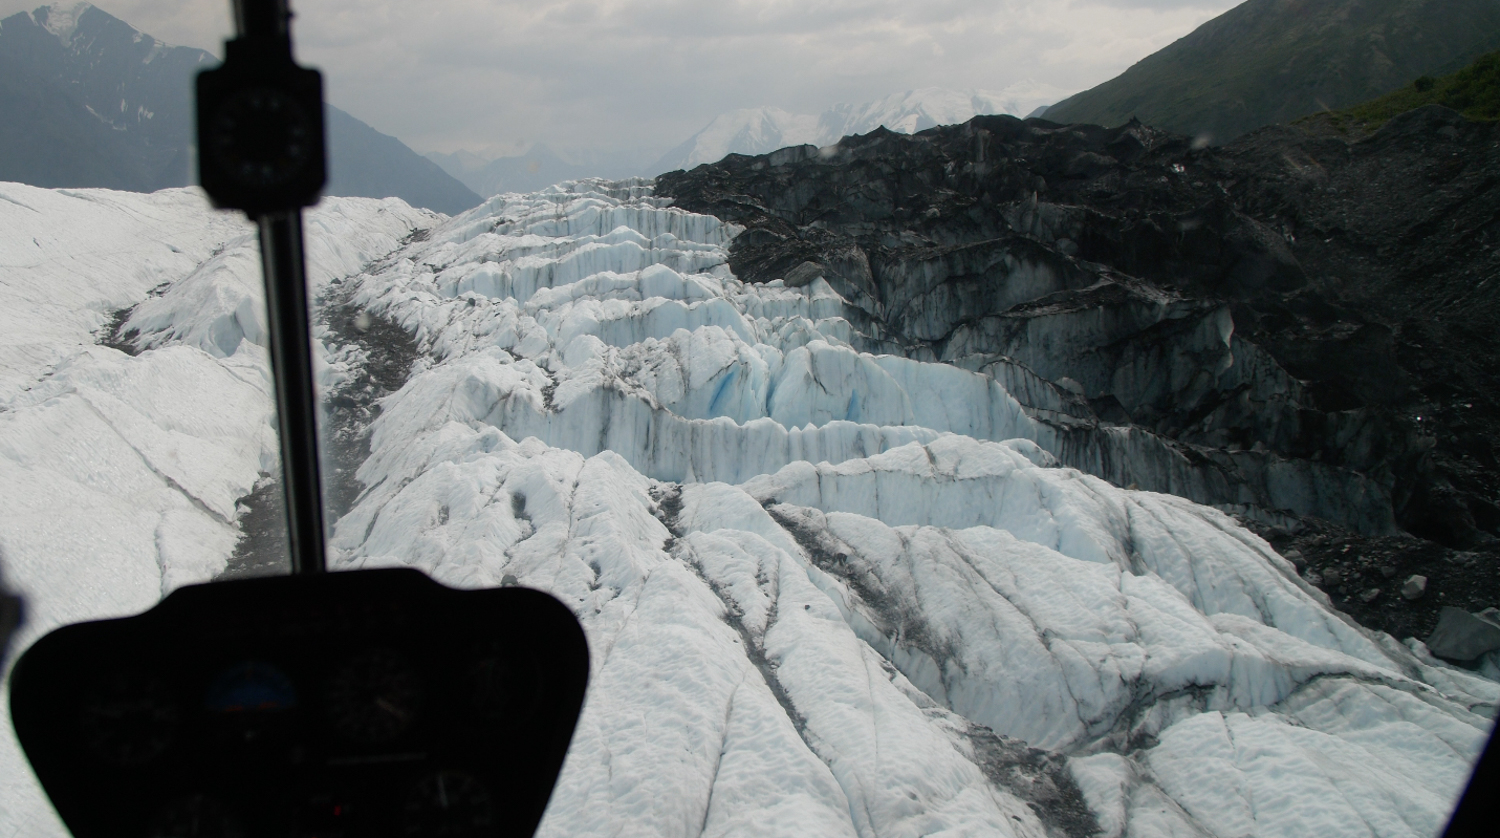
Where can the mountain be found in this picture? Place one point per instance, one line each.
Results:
(1271, 61)
(750, 131)
(363, 162)
(761, 130)
(827, 591)
(1473, 91)
(88, 100)
(538, 168)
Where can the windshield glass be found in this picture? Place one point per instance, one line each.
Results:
(1037, 419)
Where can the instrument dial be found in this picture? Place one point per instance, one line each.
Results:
(374, 697)
(197, 816)
(450, 804)
(502, 684)
(129, 718)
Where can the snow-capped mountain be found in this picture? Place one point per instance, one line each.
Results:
(826, 592)
(760, 130)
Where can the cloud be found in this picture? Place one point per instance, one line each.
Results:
(639, 76)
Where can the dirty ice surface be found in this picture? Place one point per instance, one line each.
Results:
(826, 593)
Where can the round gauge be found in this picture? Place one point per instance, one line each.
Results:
(450, 804)
(374, 697)
(501, 686)
(491, 684)
(197, 816)
(261, 136)
(128, 718)
(250, 687)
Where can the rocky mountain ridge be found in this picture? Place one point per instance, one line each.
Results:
(1294, 327)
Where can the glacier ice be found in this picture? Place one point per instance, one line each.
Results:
(826, 591)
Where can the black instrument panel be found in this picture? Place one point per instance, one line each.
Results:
(368, 703)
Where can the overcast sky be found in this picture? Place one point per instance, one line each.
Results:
(636, 77)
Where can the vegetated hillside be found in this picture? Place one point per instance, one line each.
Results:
(1272, 61)
(88, 100)
(1473, 91)
(1294, 326)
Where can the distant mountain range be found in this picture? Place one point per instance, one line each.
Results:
(1271, 61)
(88, 100)
(538, 168)
(755, 131)
(760, 130)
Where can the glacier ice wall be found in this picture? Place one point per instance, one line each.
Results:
(826, 591)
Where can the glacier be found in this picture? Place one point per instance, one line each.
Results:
(826, 591)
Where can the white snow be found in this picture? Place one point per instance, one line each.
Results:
(825, 592)
(915, 110)
(62, 19)
(766, 129)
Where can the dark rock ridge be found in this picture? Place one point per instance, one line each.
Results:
(1295, 327)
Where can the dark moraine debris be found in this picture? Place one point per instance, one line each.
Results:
(386, 353)
(262, 549)
(1300, 327)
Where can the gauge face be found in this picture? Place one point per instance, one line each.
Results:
(128, 718)
(197, 816)
(374, 697)
(262, 137)
(450, 804)
(250, 687)
(502, 686)
(492, 683)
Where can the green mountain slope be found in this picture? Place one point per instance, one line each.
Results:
(1272, 61)
(1473, 91)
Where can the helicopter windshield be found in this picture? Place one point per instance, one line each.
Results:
(1037, 419)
